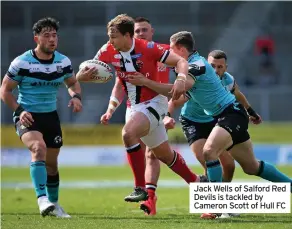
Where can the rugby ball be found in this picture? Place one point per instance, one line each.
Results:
(103, 72)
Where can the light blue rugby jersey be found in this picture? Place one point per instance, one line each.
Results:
(192, 110)
(207, 92)
(39, 80)
(228, 81)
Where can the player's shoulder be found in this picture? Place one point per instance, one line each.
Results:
(61, 58)
(23, 60)
(141, 43)
(196, 61)
(105, 50)
(228, 77)
(165, 46)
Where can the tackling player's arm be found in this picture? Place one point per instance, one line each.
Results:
(161, 88)
(240, 97)
(161, 54)
(168, 121)
(174, 104)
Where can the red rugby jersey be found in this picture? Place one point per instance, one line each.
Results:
(142, 57)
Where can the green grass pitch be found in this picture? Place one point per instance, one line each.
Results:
(104, 207)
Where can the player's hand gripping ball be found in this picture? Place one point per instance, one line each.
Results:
(94, 71)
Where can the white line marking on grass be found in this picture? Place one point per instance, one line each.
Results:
(106, 184)
(165, 209)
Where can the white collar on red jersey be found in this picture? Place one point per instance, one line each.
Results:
(131, 49)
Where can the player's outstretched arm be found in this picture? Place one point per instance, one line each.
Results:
(139, 79)
(168, 121)
(240, 97)
(182, 67)
(174, 104)
(74, 91)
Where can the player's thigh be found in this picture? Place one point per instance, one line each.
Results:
(218, 140)
(51, 129)
(244, 155)
(137, 124)
(155, 138)
(235, 121)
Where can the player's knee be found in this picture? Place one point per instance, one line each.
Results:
(128, 135)
(209, 153)
(38, 150)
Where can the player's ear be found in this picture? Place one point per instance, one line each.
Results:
(226, 66)
(36, 39)
(152, 31)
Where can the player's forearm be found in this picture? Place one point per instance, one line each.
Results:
(242, 99)
(74, 89)
(173, 105)
(9, 99)
(118, 92)
(117, 97)
(182, 67)
(160, 88)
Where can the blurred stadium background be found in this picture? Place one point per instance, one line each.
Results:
(255, 35)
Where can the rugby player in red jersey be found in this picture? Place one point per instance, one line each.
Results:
(147, 108)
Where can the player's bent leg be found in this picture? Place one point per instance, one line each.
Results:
(243, 154)
(152, 173)
(137, 126)
(197, 148)
(218, 140)
(35, 143)
(228, 166)
(175, 162)
(53, 181)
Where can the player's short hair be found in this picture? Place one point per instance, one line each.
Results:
(47, 22)
(142, 19)
(185, 39)
(123, 23)
(218, 54)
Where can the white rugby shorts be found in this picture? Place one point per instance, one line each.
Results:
(155, 110)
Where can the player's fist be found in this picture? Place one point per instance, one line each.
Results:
(169, 122)
(255, 120)
(105, 118)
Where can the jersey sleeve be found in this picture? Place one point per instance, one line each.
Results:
(13, 70)
(158, 52)
(103, 54)
(197, 68)
(230, 83)
(67, 68)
